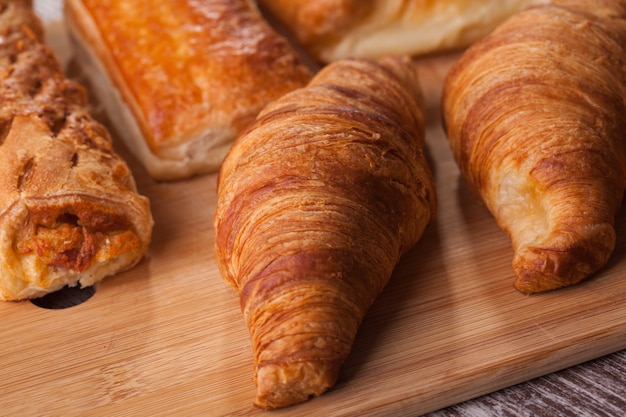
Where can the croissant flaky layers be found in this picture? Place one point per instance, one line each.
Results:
(535, 115)
(317, 201)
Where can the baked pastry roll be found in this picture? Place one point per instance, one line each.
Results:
(180, 78)
(535, 115)
(334, 29)
(317, 201)
(69, 210)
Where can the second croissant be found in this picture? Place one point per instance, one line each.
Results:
(535, 114)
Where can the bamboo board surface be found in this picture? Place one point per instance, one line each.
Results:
(168, 338)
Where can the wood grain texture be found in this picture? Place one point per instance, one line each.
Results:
(595, 388)
(167, 337)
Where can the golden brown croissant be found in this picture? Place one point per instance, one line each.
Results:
(535, 115)
(69, 210)
(317, 201)
(180, 78)
(334, 29)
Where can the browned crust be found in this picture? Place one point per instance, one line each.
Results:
(318, 22)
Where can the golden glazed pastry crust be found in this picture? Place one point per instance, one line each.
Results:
(180, 79)
(334, 29)
(69, 210)
(317, 201)
(535, 114)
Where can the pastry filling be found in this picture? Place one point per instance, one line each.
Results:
(74, 241)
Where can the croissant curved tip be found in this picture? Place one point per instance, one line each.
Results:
(283, 385)
(545, 269)
(563, 258)
(532, 281)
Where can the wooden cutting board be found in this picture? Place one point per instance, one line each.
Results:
(168, 338)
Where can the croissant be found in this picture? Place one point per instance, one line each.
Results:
(535, 116)
(329, 30)
(70, 213)
(317, 201)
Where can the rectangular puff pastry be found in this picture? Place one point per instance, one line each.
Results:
(69, 210)
(180, 78)
(333, 29)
